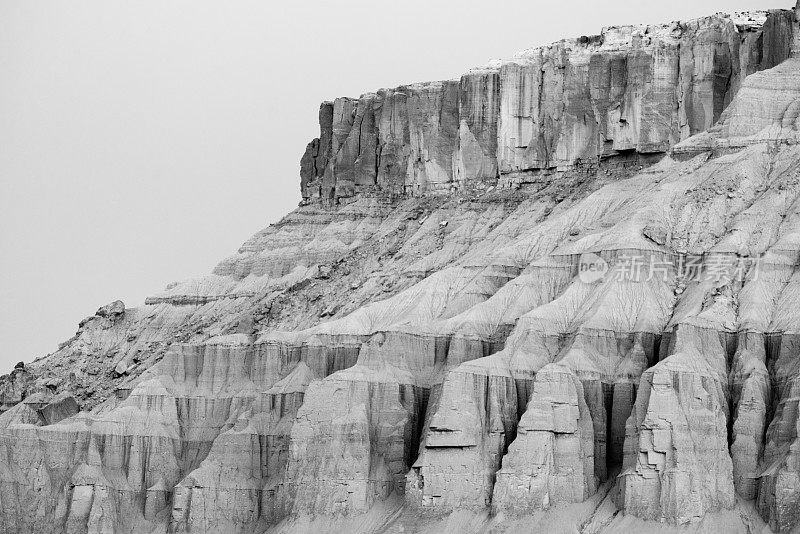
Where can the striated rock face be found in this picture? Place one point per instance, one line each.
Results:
(634, 90)
(779, 488)
(677, 467)
(352, 443)
(552, 459)
(560, 291)
(750, 398)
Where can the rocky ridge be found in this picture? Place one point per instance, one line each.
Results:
(558, 291)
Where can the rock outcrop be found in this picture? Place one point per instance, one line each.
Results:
(561, 290)
(632, 90)
(552, 459)
(677, 467)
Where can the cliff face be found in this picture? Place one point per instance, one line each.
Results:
(560, 291)
(634, 90)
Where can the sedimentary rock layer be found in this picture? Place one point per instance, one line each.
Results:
(629, 90)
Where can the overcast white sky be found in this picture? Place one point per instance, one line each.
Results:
(142, 142)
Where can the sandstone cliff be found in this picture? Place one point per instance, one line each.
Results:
(559, 292)
(632, 90)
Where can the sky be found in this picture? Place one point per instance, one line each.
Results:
(143, 142)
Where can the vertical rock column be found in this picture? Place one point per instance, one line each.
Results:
(676, 466)
(133, 451)
(352, 163)
(352, 442)
(778, 497)
(226, 493)
(779, 483)
(751, 394)
(479, 109)
(315, 158)
(37, 469)
(471, 426)
(418, 132)
(552, 459)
